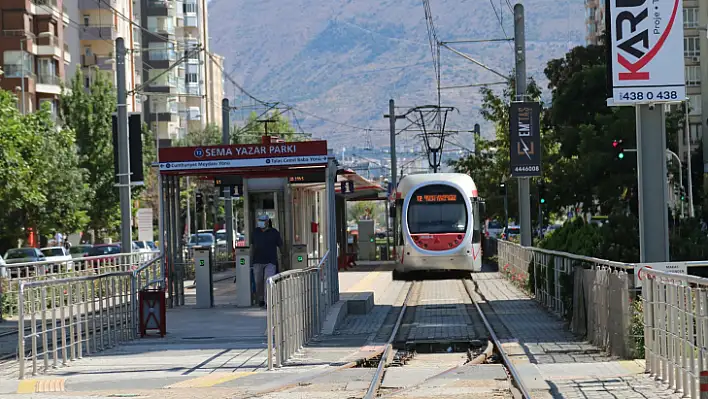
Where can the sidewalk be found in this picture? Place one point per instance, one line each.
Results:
(552, 361)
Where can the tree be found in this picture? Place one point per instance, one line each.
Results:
(88, 112)
(41, 185)
(253, 130)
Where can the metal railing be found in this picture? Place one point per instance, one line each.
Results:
(61, 320)
(13, 275)
(296, 304)
(594, 294)
(675, 328)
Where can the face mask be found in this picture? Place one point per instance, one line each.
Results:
(260, 224)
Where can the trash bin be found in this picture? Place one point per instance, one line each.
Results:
(152, 311)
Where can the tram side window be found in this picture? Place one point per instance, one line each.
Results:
(399, 209)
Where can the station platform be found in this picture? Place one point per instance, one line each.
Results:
(223, 348)
(222, 353)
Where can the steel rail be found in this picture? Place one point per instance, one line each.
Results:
(509, 365)
(378, 375)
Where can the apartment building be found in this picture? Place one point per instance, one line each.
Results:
(100, 24)
(695, 21)
(33, 54)
(179, 98)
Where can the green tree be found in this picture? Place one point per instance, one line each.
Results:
(254, 129)
(88, 111)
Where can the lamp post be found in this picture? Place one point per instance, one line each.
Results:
(27, 36)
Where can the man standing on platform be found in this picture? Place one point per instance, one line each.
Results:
(266, 241)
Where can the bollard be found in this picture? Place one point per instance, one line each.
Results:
(704, 384)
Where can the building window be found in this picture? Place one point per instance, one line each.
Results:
(191, 77)
(190, 7)
(161, 25)
(690, 17)
(87, 20)
(694, 104)
(691, 47)
(52, 106)
(13, 64)
(693, 75)
(161, 51)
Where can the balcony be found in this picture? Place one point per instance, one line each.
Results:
(47, 7)
(49, 46)
(48, 83)
(103, 63)
(67, 54)
(86, 5)
(98, 32)
(15, 71)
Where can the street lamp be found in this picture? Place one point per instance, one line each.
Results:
(22, 71)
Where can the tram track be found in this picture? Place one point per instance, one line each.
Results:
(447, 355)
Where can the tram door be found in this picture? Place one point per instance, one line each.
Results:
(272, 204)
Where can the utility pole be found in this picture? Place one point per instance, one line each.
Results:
(123, 151)
(228, 202)
(691, 211)
(524, 182)
(392, 126)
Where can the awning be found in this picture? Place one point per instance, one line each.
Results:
(363, 189)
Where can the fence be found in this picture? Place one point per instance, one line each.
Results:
(675, 328)
(594, 294)
(13, 275)
(297, 303)
(63, 319)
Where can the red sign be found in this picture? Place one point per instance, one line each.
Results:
(243, 156)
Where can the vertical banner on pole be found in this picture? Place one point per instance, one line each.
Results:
(646, 70)
(525, 139)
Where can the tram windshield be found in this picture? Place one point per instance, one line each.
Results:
(437, 209)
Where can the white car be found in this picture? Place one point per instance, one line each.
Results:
(60, 255)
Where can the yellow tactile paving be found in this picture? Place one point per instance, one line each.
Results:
(209, 380)
(365, 283)
(39, 386)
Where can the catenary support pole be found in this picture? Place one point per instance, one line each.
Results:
(123, 151)
(228, 202)
(653, 209)
(524, 182)
(392, 128)
(687, 132)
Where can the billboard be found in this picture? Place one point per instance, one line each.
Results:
(525, 139)
(646, 51)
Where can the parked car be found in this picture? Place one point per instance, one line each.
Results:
(80, 251)
(512, 231)
(494, 228)
(25, 255)
(61, 255)
(200, 239)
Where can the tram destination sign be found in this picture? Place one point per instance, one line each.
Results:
(646, 51)
(305, 153)
(436, 198)
(525, 139)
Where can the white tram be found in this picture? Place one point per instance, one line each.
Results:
(439, 226)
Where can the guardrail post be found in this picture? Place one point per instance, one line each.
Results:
(269, 329)
(21, 329)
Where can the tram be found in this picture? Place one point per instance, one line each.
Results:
(439, 224)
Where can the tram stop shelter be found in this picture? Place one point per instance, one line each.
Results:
(292, 182)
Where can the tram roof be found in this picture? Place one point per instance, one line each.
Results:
(408, 182)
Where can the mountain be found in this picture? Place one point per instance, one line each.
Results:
(342, 60)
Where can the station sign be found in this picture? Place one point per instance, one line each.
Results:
(304, 153)
(315, 176)
(646, 51)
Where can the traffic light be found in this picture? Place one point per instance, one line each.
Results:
(199, 201)
(683, 194)
(541, 192)
(618, 146)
